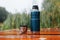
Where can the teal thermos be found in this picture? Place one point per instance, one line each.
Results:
(35, 19)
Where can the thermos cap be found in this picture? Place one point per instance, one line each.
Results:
(35, 7)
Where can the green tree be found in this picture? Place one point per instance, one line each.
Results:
(3, 14)
(28, 20)
(17, 20)
(8, 23)
(24, 19)
(51, 13)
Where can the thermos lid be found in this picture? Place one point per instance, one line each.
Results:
(35, 7)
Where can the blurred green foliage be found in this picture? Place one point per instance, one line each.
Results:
(3, 14)
(49, 17)
(14, 21)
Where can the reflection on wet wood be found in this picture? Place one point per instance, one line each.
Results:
(14, 35)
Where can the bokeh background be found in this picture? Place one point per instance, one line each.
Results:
(49, 14)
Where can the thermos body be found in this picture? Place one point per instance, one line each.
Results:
(35, 20)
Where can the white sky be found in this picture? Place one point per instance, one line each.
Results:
(19, 5)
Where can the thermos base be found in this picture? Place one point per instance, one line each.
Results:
(36, 33)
